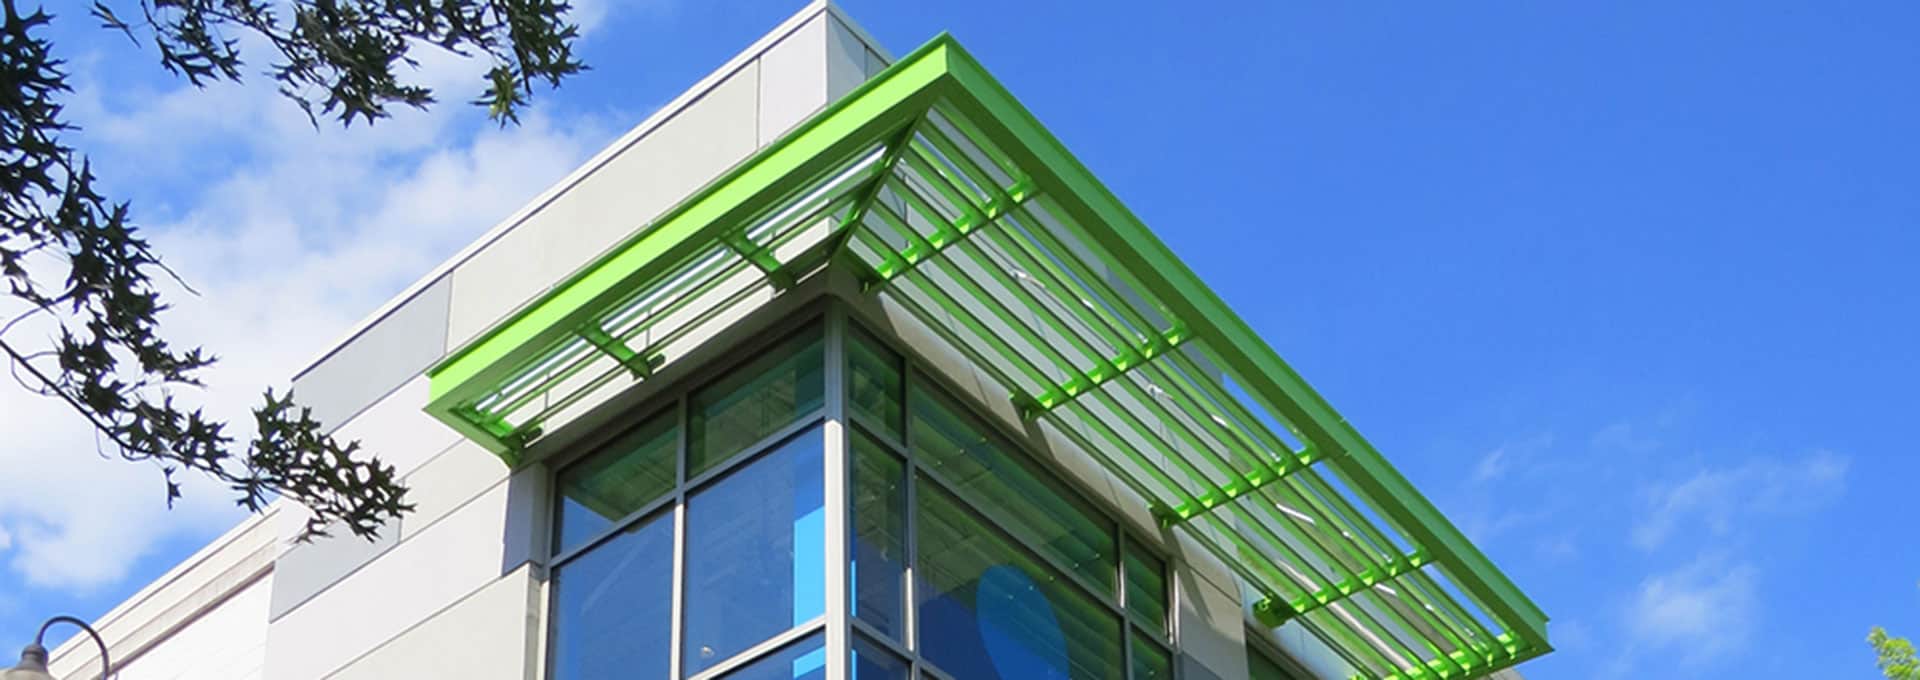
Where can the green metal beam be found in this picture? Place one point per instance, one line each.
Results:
(879, 106)
(760, 258)
(613, 347)
(1265, 375)
(857, 214)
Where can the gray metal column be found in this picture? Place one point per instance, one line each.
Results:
(839, 499)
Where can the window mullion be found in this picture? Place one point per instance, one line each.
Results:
(679, 541)
(838, 499)
(911, 559)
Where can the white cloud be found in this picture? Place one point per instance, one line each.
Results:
(1485, 506)
(1706, 609)
(1725, 502)
(291, 234)
(1492, 466)
(1697, 613)
(1519, 456)
(1560, 547)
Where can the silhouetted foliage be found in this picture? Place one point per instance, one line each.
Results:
(107, 359)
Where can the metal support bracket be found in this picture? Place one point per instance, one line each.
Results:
(641, 367)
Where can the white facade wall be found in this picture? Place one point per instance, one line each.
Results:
(454, 590)
(228, 642)
(204, 619)
(457, 589)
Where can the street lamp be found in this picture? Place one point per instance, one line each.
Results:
(33, 659)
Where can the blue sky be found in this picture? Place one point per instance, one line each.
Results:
(1627, 288)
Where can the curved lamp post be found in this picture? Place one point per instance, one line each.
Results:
(33, 659)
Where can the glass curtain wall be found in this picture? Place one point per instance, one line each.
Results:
(972, 560)
(694, 542)
(722, 492)
(1262, 665)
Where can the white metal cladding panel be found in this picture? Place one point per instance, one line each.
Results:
(396, 430)
(425, 573)
(619, 197)
(846, 59)
(400, 346)
(793, 79)
(486, 636)
(1212, 633)
(240, 557)
(307, 568)
(228, 642)
(597, 205)
(448, 481)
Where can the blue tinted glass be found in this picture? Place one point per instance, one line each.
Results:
(1150, 660)
(1147, 587)
(874, 382)
(990, 611)
(1012, 487)
(870, 662)
(803, 660)
(626, 474)
(879, 536)
(612, 607)
(780, 385)
(756, 553)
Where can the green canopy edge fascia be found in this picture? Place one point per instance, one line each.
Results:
(881, 109)
(1275, 383)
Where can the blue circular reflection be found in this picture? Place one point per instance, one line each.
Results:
(1021, 634)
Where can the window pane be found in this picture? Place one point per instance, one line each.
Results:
(755, 400)
(1040, 507)
(989, 611)
(803, 660)
(874, 383)
(1147, 588)
(612, 607)
(634, 469)
(1262, 668)
(1150, 661)
(879, 536)
(871, 662)
(756, 553)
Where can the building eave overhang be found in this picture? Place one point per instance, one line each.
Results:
(946, 195)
